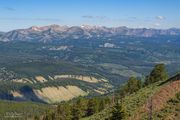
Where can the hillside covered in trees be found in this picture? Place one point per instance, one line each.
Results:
(152, 98)
(155, 97)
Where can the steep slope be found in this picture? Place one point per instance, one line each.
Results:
(170, 111)
(137, 104)
(159, 99)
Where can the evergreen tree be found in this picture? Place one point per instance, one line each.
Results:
(82, 105)
(147, 81)
(92, 107)
(123, 90)
(49, 116)
(77, 113)
(118, 112)
(45, 117)
(36, 118)
(101, 105)
(157, 74)
(64, 112)
(133, 85)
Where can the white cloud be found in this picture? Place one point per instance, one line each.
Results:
(160, 17)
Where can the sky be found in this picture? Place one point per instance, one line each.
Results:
(160, 14)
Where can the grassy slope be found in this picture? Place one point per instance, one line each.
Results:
(134, 104)
(170, 111)
(131, 102)
(159, 100)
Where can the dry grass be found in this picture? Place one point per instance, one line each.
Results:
(58, 94)
(23, 80)
(159, 99)
(16, 94)
(40, 79)
(79, 77)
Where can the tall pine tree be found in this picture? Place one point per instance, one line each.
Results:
(77, 113)
(159, 73)
(118, 112)
(92, 106)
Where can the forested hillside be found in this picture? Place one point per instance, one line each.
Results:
(157, 97)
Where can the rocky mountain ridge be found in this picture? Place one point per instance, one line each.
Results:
(57, 32)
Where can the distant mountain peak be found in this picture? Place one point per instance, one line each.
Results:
(53, 27)
(57, 32)
(35, 28)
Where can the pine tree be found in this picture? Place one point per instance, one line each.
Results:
(49, 116)
(36, 118)
(157, 74)
(133, 85)
(77, 113)
(82, 105)
(64, 112)
(101, 105)
(118, 112)
(92, 107)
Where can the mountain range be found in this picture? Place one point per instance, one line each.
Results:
(59, 63)
(56, 32)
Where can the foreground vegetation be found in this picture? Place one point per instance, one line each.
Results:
(135, 105)
(171, 111)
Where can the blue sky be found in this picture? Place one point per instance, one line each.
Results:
(15, 14)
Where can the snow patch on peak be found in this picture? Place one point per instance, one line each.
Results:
(35, 28)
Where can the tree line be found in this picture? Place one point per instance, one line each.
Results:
(84, 107)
